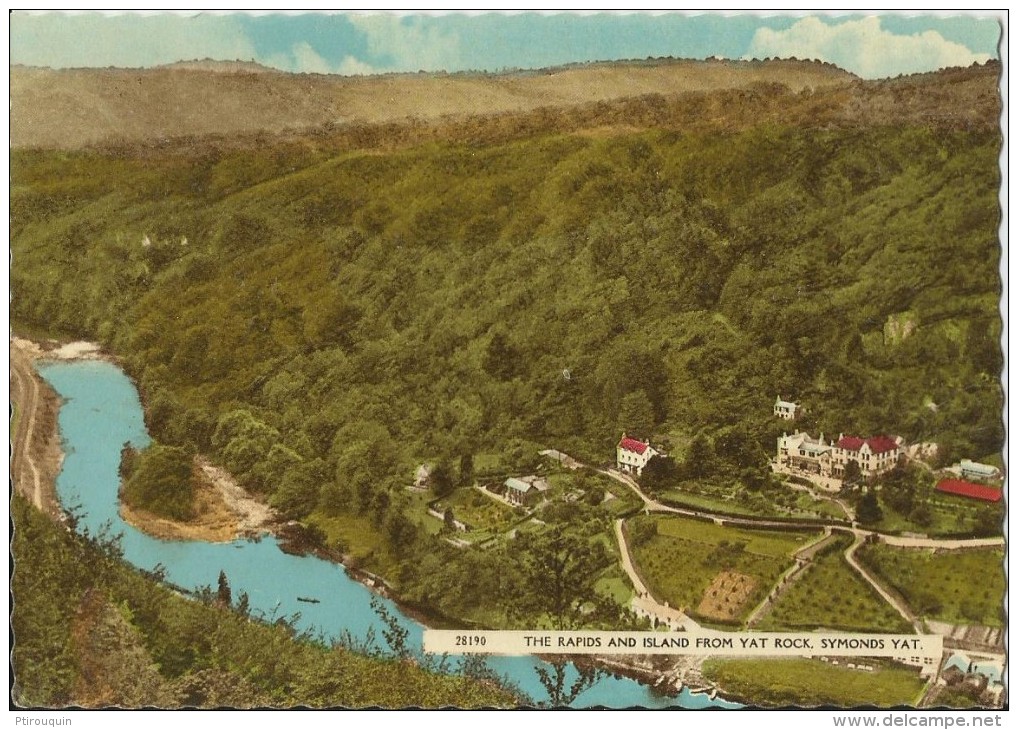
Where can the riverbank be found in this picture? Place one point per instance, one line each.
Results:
(98, 416)
(37, 454)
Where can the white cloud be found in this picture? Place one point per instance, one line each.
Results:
(303, 58)
(351, 66)
(862, 47)
(409, 44)
(61, 41)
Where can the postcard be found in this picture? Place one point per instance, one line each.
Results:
(504, 360)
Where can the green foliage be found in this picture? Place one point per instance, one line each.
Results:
(868, 510)
(659, 473)
(441, 479)
(559, 570)
(830, 594)
(811, 682)
(92, 631)
(960, 587)
(336, 313)
(162, 482)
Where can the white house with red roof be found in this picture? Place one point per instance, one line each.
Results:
(874, 455)
(632, 455)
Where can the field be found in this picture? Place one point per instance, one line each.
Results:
(685, 561)
(811, 682)
(959, 587)
(832, 595)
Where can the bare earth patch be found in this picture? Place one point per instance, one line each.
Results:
(726, 596)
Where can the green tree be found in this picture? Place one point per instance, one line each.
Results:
(636, 414)
(162, 482)
(441, 479)
(853, 474)
(466, 470)
(659, 473)
(559, 569)
(869, 510)
(223, 594)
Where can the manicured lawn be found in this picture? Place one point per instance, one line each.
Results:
(831, 594)
(822, 508)
(685, 499)
(958, 586)
(417, 511)
(478, 511)
(811, 682)
(680, 562)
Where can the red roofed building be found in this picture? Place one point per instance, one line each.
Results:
(874, 455)
(632, 455)
(969, 489)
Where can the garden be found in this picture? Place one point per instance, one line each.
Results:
(830, 594)
(696, 565)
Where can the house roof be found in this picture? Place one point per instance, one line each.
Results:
(881, 444)
(630, 444)
(968, 489)
(519, 485)
(975, 466)
(786, 404)
(877, 444)
(851, 443)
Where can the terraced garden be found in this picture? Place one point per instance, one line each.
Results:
(478, 511)
(718, 573)
(830, 594)
(958, 586)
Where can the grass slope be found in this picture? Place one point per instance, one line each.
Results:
(810, 682)
(959, 587)
(830, 594)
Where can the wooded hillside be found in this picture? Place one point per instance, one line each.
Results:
(323, 314)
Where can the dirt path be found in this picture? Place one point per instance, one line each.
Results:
(36, 456)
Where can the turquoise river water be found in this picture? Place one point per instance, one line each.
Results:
(102, 411)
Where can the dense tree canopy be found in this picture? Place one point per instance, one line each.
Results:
(320, 321)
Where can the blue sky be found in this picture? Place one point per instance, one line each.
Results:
(872, 47)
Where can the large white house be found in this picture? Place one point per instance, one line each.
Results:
(874, 455)
(803, 452)
(632, 455)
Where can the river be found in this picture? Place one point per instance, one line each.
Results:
(101, 412)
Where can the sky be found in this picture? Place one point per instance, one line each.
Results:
(366, 43)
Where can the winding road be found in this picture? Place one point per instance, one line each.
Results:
(646, 604)
(25, 393)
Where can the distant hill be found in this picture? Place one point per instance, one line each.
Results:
(73, 108)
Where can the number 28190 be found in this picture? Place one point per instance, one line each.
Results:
(469, 640)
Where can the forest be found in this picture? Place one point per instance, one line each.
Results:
(321, 319)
